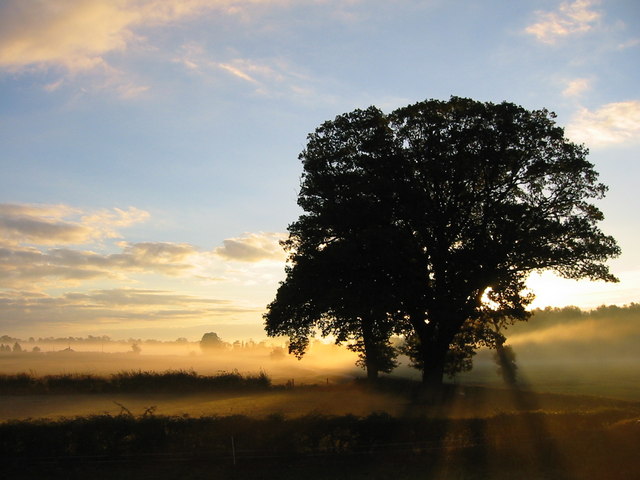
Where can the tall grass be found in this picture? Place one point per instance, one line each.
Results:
(179, 381)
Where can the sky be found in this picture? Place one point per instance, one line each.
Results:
(149, 148)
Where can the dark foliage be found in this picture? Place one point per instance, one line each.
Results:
(176, 381)
(411, 218)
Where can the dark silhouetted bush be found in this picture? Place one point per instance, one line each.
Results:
(132, 382)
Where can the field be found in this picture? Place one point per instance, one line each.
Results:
(63, 421)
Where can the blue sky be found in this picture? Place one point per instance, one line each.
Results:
(149, 147)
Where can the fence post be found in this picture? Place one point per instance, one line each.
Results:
(233, 450)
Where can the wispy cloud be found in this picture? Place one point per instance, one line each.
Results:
(119, 297)
(253, 247)
(270, 77)
(577, 87)
(632, 43)
(237, 72)
(614, 123)
(571, 18)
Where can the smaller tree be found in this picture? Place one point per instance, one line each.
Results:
(211, 342)
(473, 335)
(505, 359)
(504, 356)
(341, 267)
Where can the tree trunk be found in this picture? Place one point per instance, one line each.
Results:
(434, 358)
(372, 371)
(435, 340)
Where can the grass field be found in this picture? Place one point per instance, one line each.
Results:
(524, 445)
(117, 416)
(348, 430)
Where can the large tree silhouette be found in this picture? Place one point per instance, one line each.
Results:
(449, 203)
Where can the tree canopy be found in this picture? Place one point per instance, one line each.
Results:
(427, 222)
(211, 341)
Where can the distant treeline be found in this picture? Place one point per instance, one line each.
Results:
(605, 333)
(543, 318)
(105, 339)
(546, 317)
(173, 381)
(10, 344)
(92, 339)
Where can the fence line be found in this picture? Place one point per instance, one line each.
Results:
(237, 454)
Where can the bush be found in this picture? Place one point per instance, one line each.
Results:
(132, 382)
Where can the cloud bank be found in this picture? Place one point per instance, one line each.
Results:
(611, 124)
(39, 244)
(62, 225)
(77, 34)
(109, 306)
(62, 265)
(76, 37)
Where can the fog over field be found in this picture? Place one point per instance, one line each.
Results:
(322, 361)
(557, 350)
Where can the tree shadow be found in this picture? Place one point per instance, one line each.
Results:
(539, 448)
(488, 444)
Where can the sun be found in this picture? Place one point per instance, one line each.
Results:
(553, 291)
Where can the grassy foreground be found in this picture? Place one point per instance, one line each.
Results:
(467, 433)
(527, 445)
